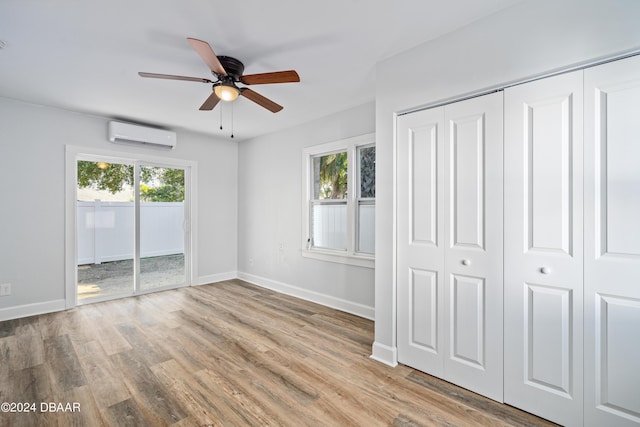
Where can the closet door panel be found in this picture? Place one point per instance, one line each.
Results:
(468, 320)
(548, 169)
(423, 310)
(612, 244)
(420, 240)
(473, 254)
(548, 315)
(543, 248)
(466, 163)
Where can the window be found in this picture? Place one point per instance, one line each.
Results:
(339, 201)
(366, 199)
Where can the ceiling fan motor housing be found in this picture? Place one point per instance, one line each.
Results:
(232, 66)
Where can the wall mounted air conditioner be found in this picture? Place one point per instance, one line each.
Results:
(126, 133)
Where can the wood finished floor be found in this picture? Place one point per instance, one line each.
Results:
(226, 354)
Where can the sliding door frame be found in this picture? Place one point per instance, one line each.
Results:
(75, 153)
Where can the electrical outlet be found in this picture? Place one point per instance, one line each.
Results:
(5, 289)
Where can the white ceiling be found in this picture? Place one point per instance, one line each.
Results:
(85, 55)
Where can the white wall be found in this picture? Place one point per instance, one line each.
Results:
(530, 38)
(270, 216)
(32, 200)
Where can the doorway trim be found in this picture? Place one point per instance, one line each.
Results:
(72, 155)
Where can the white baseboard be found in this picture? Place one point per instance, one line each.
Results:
(385, 354)
(212, 278)
(31, 309)
(326, 300)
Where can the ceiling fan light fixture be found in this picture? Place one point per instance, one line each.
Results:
(228, 71)
(227, 92)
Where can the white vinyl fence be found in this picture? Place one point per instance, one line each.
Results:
(367, 229)
(329, 227)
(106, 230)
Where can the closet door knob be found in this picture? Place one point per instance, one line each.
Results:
(545, 270)
(465, 262)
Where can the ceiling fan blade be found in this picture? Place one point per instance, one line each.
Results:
(289, 76)
(172, 77)
(210, 103)
(208, 56)
(260, 100)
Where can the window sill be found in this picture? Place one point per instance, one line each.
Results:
(340, 257)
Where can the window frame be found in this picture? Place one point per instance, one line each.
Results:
(350, 255)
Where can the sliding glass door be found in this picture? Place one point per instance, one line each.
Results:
(131, 222)
(162, 261)
(105, 226)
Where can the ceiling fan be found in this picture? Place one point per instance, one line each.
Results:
(228, 71)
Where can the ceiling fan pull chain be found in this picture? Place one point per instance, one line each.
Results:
(220, 117)
(232, 120)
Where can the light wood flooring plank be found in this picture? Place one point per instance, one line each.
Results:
(155, 401)
(66, 372)
(225, 354)
(107, 384)
(127, 414)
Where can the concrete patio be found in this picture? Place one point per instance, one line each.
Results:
(116, 277)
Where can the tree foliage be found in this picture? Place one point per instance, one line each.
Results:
(331, 174)
(333, 170)
(368, 172)
(156, 184)
(110, 177)
(170, 188)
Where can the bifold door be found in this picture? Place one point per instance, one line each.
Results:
(571, 245)
(612, 244)
(450, 243)
(543, 248)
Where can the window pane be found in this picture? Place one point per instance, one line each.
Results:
(367, 171)
(366, 228)
(329, 225)
(330, 176)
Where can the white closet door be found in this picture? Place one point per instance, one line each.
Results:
(420, 240)
(449, 265)
(473, 245)
(543, 248)
(612, 244)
